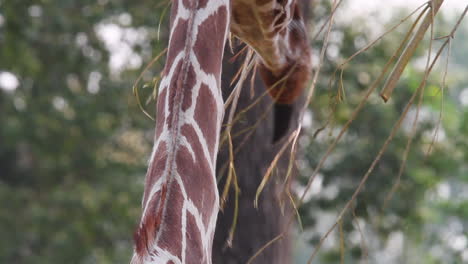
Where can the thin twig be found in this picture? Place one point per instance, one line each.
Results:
(376, 160)
(407, 54)
(135, 87)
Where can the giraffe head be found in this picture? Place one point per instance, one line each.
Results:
(276, 31)
(285, 81)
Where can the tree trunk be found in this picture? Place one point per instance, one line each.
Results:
(255, 227)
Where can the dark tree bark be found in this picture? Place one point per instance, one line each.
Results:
(255, 227)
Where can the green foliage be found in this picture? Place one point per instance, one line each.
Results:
(429, 206)
(73, 141)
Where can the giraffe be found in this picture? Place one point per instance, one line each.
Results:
(180, 201)
(275, 30)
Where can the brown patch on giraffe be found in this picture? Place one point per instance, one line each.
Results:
(210, 53)
(193, 241)
(171, 234)
(160, 114)
(196, 175)
(146, 233)
(206, 117)
(262, 2)
(177, 43)
(247, 26)
(188, 3)
(188, 87)
(202, 3)
(235, 16)
(195, 4)
(156, 169)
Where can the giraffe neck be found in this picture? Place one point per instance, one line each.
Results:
(180, 202)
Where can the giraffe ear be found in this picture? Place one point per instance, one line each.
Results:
(282, 118)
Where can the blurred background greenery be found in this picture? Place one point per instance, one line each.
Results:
(74, 143)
